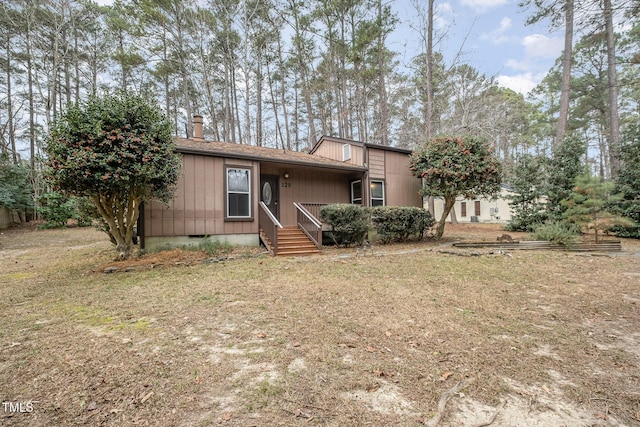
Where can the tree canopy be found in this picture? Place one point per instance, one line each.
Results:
(588, 205)
(118, 151)
(528, 185)
(15, 188)
(562, 171)
(453, 166)
(281, 73)
(627, 183)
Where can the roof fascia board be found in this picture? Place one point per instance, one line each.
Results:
(357, 143)
(219, 153)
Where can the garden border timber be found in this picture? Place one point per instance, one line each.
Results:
(605, 246)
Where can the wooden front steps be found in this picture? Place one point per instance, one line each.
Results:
(292, 241)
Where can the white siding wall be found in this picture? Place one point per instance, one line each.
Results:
(499, 207)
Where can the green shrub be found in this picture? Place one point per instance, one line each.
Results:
(527, 219)
(400, 223)
(349, 223)
(561, 233)
(631, 231)
(87, 214)
(56, 209)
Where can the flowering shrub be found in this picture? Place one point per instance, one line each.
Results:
(452, 166)
(118, 151)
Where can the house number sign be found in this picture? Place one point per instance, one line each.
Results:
(286, 185)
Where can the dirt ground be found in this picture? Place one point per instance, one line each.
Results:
(413, 334)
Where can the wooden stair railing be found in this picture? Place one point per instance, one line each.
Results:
(269, 226)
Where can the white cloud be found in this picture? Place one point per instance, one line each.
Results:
(444, 8)
(483, 5)
(521, 83)
(541, 46)
(539, 53)
(498, 36)
(522, 65)
(444, 16)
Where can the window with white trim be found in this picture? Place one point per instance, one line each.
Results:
(356, 192)
(238, 193)
(377, 193)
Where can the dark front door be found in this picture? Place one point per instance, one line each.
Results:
(269, 193)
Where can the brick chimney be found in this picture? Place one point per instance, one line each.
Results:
(197, 127)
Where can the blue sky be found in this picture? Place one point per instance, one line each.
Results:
(489, 35)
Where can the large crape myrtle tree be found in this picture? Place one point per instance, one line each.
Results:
(118, 151)
(453, 166)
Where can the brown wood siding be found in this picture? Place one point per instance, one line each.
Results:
(376, 163)
(308, 185)
(402, 188)
(333, 150)
(198, 205)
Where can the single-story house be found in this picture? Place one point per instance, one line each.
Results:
(495, 210)
(244, 195)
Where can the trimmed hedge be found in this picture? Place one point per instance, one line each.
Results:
(400, 223)
(349, 223)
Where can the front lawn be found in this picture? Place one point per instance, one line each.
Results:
(528, 337)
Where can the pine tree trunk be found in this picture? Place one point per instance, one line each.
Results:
(226, 126)
(67, 69)
(235, 117)
(259, 122)
(76, 67)
(614, 125)
(12, 139)
(382, 86)
(563, 117)
(302, 64)
(32, 126)
(283, 100)
(429, 106)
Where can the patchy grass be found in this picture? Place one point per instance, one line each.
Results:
(547, 338)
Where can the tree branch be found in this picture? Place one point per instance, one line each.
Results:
(433, 422)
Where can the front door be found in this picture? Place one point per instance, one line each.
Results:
(269, 193)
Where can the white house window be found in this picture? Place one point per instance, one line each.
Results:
(356, 192)
(377, 193)
(346, 152)
(238, 193)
